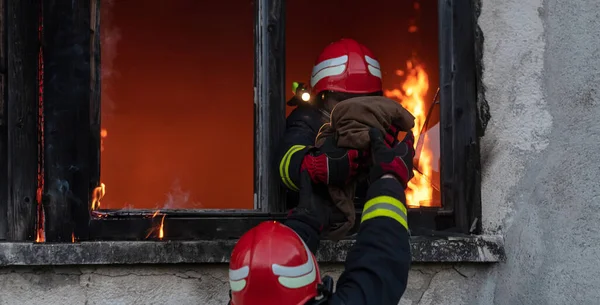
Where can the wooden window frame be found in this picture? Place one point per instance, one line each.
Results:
(70, 156)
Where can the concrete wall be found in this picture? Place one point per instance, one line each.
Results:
(541, 166)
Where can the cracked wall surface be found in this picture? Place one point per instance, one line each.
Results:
(540, 160)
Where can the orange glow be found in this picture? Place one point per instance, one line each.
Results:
(180, 112)
(412, 97)
(413, 29)
(97, 195)
(72, 237)
(103, 134)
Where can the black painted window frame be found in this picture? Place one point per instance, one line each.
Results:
(71, 128)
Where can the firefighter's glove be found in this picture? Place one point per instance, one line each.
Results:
(391, 135)
(332, 165)
(312, 208)
(395, 160)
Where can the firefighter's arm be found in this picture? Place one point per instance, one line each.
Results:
(302, 126)
(376, 269)
(377, 266)
(310, 216)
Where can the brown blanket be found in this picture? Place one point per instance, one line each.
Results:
(350, 124)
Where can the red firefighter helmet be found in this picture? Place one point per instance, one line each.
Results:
(346, 66)
(271, 265)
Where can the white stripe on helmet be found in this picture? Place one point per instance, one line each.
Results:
(332, 71)
(373, 66)
(328, 67)
(297, 276)
(237, 278)
(329, 63)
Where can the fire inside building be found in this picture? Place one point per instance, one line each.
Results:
(187, 103)
(177, 93)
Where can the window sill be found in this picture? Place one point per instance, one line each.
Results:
(482, 249)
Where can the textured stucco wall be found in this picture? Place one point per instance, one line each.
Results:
(540, 182)
(541, 164)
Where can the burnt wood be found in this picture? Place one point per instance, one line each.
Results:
(175, 228)
(446, 127)
(276, 79)
(22, 18)
(95, 98)
(269, 83)
(3, 127)
(460, 170)
(467, 116)
(67, 77)
(193, 225)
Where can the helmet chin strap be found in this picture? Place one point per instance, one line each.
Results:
(325, 290)
(326, 113)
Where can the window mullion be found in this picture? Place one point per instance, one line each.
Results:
(269, 101)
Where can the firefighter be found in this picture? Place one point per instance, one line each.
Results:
(272, 264)
(343, 70)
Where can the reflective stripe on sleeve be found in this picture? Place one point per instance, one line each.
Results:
(385, 206)
(284, 167)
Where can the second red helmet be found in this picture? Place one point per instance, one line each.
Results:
(346, 66)
(271, 265)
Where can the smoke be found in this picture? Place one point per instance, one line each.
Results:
(177, 198)
(110, 36)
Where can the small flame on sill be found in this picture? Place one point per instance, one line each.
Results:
(97, 195)
(160, 229)
(161, 232)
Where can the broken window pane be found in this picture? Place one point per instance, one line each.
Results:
(177, 104)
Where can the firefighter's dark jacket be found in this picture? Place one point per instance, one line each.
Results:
(302, 126)
(376, 268)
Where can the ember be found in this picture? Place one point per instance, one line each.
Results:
(103, 134)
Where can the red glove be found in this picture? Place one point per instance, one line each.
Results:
(391, 135)
(331, 164)
(395, 160)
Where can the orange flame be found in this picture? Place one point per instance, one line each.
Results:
(161, 232)
(160, 228)
(40, 236)
(72, 237)
(412, 97)
(97, 195)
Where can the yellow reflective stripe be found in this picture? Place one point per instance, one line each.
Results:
(385, 206)
(385, 199)
(284, 166)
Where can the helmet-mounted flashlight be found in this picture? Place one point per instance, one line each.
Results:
(301, 93)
